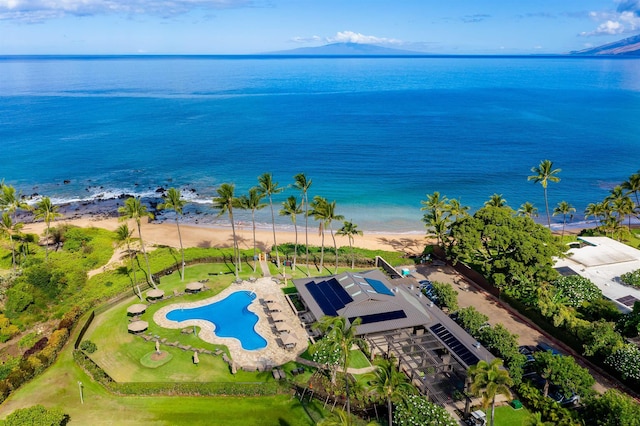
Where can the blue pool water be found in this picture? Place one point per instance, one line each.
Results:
(231, 318)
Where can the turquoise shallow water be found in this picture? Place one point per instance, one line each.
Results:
(375, 134)
(230, 317)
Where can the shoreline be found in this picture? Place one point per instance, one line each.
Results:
(197, 235)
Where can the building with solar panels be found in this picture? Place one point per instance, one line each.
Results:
(398, 320)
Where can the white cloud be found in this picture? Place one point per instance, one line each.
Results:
(625, 20)
(41, 10)
(351, 37)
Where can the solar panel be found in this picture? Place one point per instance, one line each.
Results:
(628, 300)
(379, 287)
(340, 292)
(454, 344)
(383, 316)
(321, 300)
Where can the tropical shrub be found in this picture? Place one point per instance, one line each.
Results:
(37, 415)
(7, 330)
(612, 408)
(88, 346)
(419, 411)
(577, 290)
(626, 362)
(631, 278)
(447, 296)
(471, 320)
(17, 301)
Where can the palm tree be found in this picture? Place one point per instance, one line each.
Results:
(544, 174)
(632, 185)
(457, 210)
(173, 201)
(291, 208)
(329, 217)
(123, 236)
(496, 200)
(390, 383)
(9, 228)
(435, 217)
(225, 202)
(621, 204)
(10, 200)
(318, 211)
(490, 380)
(564, 209)
(350, 229)
(528, 209)
(303, 184)
(134, 209)
(596, 210)
(341, 336)
(48, 212)
(253, 202)
(535, 419)
(268, 187)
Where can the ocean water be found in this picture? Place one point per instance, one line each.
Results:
(374, 134)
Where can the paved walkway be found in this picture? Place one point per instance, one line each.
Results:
(264, 265)
(274, 353)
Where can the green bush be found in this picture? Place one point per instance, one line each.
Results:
(88, 346)
(37, 415)
(631, 278)
(447, 296)
(577, 290)
(17, 301)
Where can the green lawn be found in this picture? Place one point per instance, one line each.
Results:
(358, 359)
(507, 416)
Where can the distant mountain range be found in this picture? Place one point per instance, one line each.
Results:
(629, 46)
(347, 49)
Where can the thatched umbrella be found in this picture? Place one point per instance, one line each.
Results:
(136, 309)
(194, 287)
(138, 326)
(156, 293)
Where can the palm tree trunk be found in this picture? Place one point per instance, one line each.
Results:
(346, 382)
(181, 249)
(546, 203)
(46, 244)
(564, 222)
(253, 219)
(13, 252)
(493, 411)
(353, 255)
(389, 409)
(335, 247)
(146, 258)
(306, 230)
(236, 252)
(133, 269)
(275, 243)
(295, 246)
(322, 247)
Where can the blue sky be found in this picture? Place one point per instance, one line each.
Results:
(256, 26)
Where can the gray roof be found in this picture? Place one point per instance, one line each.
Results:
(379, 307)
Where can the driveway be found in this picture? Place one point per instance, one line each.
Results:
(469, 294)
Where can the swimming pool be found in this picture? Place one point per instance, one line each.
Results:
(230, 316)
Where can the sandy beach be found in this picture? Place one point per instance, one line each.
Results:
(204, 236)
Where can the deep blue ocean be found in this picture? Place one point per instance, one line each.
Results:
(374, 134)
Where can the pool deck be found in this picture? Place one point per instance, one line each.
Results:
(274, 353)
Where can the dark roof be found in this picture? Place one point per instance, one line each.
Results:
(385, 304)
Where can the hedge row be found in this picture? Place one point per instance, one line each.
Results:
(172, 389)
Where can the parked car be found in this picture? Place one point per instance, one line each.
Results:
(544, 347)
(562, 399)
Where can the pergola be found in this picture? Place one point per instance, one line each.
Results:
(425, 359)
